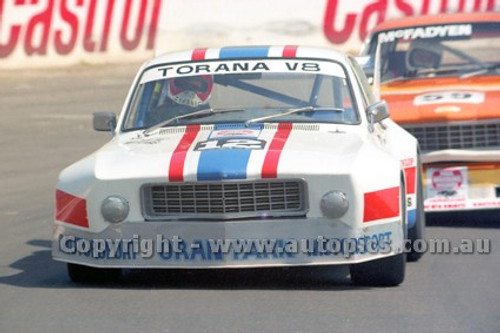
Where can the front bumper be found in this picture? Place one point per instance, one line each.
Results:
(200, 244)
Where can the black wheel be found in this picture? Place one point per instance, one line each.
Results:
(418, 229)
(388, 271)
(86, 274)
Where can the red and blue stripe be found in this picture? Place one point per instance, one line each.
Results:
(242, 52)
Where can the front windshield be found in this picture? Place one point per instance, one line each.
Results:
(463, 49)
(240, 91)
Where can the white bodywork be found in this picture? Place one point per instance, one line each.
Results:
(368, 165)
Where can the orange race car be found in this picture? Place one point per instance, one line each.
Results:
(440, 76)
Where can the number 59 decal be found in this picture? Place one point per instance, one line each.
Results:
(469, 97)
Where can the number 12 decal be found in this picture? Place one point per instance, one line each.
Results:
(230, 144)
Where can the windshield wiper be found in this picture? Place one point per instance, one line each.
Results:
(292, 111)
(202, 113)
(481, 71)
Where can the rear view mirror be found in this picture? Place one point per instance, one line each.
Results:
(104, 121)
(377, 112)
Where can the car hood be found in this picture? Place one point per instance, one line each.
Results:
(434, 100)
(197, 153)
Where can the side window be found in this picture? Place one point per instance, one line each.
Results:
(368, 96)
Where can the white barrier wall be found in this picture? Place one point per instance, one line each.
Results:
(58, 32)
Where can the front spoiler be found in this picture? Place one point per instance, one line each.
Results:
(144, 244)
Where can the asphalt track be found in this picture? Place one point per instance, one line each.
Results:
(46, 124)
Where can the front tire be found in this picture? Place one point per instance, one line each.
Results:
(388, 271)
(86, 274)
(417, 231)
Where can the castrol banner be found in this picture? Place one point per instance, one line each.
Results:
(58, 32)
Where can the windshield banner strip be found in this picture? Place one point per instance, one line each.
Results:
(270, 166)
(176, 170)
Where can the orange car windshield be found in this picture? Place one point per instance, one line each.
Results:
(462, 49)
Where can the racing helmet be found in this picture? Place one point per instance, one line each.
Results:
(424, 54)
(190, 90)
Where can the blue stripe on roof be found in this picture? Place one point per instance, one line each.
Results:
(244, 52)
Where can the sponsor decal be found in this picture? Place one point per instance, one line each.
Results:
(223, 61)
(447, 182)
(407, 162)
(215, 68)
(346, 20)
(241, 133)
(230, 144)
(51, 28)
(244, 67)
(451, 30)
(64, 27)
(446, 203)
(146, 141)
(437, 204)
(176, 248)
(242, 60)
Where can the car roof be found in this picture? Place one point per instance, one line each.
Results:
(249, 52)
(411, 21)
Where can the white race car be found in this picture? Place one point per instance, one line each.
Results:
(244, 157)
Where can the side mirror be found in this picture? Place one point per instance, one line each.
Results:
(104, 121)
(377, 112)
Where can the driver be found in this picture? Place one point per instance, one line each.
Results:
(192, 91)
(179, 95)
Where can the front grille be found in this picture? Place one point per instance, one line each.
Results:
(456, 135)
(224, 200)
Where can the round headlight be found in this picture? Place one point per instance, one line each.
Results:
(334, 204)
(114, 209)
